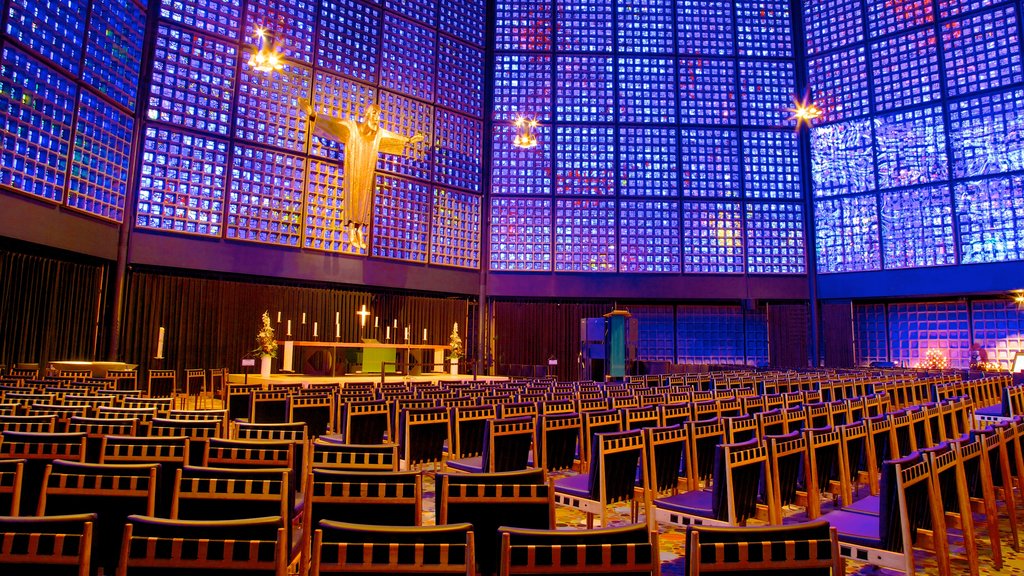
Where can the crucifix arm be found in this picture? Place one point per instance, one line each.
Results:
(324, 125)
(393, 143)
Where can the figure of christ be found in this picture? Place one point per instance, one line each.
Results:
(363, 141)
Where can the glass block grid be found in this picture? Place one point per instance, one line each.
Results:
(348, 39)
(839, 82)
(585, 161)
(917, 228)
(645, 26)
(775, 238)
(193, 81)
(585, 235)
(656, 337)
(52, 28)
(455, 230)
(518, 171)
(870, 336)
(36, 104)
(917, 328)
(649, 237)
(948, 8)
(766, 91)
(889, 17)
(831, 25)
(707, 91)
(710, 163)
(705, 28)
(407, 58)
(990, 214)
(763, 28)
(987, 134)
(113, 49)
(265, 196)
(324, 228)
(847, 234)
(340, 98)
(401, 219)
(710, 335)
(585, 89)
(911, 148)
(182, 183)
(463, 20)
(266, 111)
(647, 90)
(842, 158)
(460, 77)
(755, 328)
(522, 86)
(713, 237)
(998, 330)
(222, 17)
(584, 25)
(522, 25)
(905, 70)
(771, 165)
(423, 11)
(647, 161)
(99, 162)
(981, 52)
(458, 150)
(407, 117)
(292, 22)
(521, 234)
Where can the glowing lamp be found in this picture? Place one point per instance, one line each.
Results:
(266, 58)
(804, 111)
(525, 136)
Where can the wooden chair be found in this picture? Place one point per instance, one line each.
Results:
(162, 405)
(555, 445)
(422, 436)
(640, 417)
(826, 471)
(51, 545)
(315, 409)
(11, 475)
(994, 442)
(615, 459)
(249, 454)
(366, 422)
(807, 548)
(124, 379)
(38, 450)
(506, 447)
(980, 492)
(596, 422)
(355, 457)
(740, 428)
(238, 400)
(269, 406)
(664, 450)
(705, 436)
(170, 452)
(787, 468)
(162, 383)
(294, 432)
(63, 413)
(96, 428)
(344, 548)
(466, 430)
(195, 385)
(40, 423)
(621, 550)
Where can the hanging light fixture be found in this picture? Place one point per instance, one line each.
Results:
(266, 58)
(525, 136)
(804, 111)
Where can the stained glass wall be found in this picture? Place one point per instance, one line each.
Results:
(664, 145)
(918, 160)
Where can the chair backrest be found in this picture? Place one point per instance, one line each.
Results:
(12, 473)
(615, 459)
(40, 423)
(808, 549)
(787, 465)
(515, 409)
(621, 550)
(221, 453)
(640, 417)
(202, 493)
(38, 450)
(315, 408)
(678, 413)
(269, 406)
(52, 545)
(171, 452)
(554, 447)
(366, 422)
(467, 430)
(596, 422)
(825, 466)
(664, 450)
(740, 474)
(161, 383)
(343, 548)
(905, 491)
(705, 436)
(740, 428)
(195, 429)
(422, 435)
(357, 457)
(123, 379)
(239, 400)
(386, 498)
(507, 443)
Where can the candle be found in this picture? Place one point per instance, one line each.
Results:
(424, 334)
(278, 316)
(289, 328)
(314, 329)
(337, 317)
(387, 335)
(337, 330)
(376, 321)
(303, 317)
(160, 344)
(407, 333)
(396, 324)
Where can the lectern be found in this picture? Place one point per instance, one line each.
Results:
(616, 326)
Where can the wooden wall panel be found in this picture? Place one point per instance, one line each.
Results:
(787, 335)
(837, 333)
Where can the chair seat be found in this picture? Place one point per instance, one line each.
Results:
(578, 485)
(694, 502)
(866, 505)
(855, 527)
(473, 464)
(993, 410)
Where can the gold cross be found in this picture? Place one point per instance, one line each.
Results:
(363, 313)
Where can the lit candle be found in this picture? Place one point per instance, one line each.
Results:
(424, 334)
(337, 317)
(289, 328)
(396, 324)
(376, 321)
(314, 329)
(406, 333)
(387, 335)
(303, 317)
(160, 343)
(337, 330)
(278, 316)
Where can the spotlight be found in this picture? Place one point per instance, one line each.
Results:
(525, 136)
(804, 111)
(266, 58)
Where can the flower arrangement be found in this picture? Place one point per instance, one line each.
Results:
(265, 338)
(455, 343)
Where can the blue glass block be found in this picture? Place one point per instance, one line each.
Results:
(656, 327)
(990, 215)
(645, 26)
(267, 109)
(100, 158)
(265, 197)
(585, 89)
(459, 151)
(291, 23)
(987, 134)
(917, 227)
(710, 334)
(846, 232)
(704, 27)
(182, 185)
(766, 91)
(755, 331)
(842, 158)
(520, 235)
(422, 11)
(831, 25)
(52, 28)
(340, 98)
(905, 70)
(916, 329)
(520, 171)
(998, 327)
(707, 91)
(36, 107)
(522, 87)
(871, 340)
(401, 219)
(585, 161)
(647, 162)
(464, 20)
(710, 163)
(407, 59)
(325, 226)
(775, 238)
(712, 237)
(771, 165)
(886, 18)
(113, 50)
(585, 235)
(981, 52)
(193, 81)
(455, 229)
(839, 82)
(460, 77)
(522, 25)
(647, 90)
(911, 148)
(221, 17)
(649, 237)
(948, 8)
(764, 29)
(584, 25)
(349, 39)
(407, 117)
